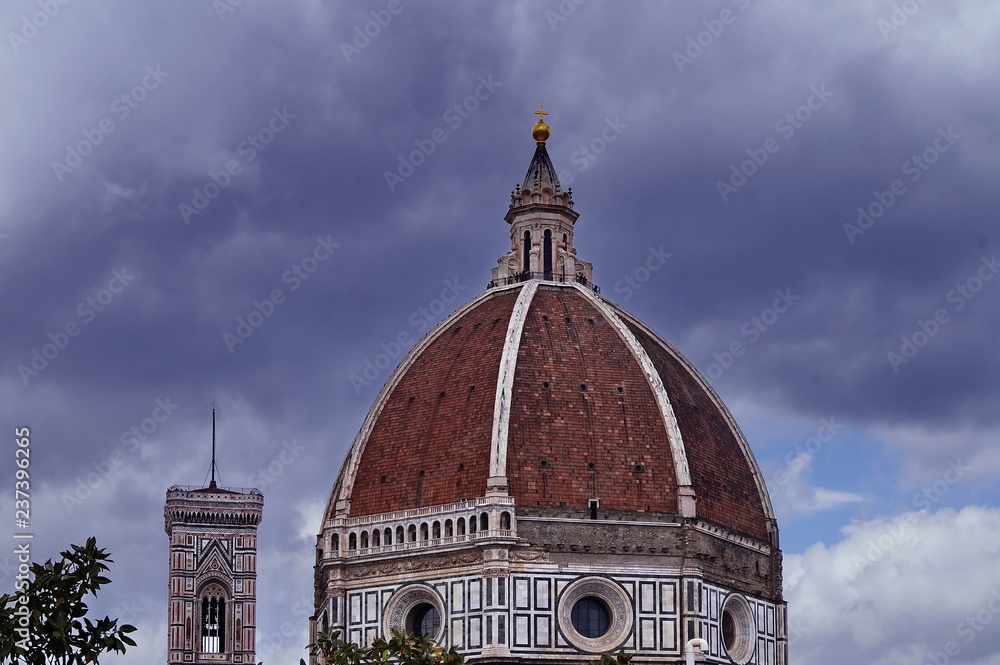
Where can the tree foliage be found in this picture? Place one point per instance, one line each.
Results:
(403, 649)
(620, 658)
(400, 649)
(46, 623)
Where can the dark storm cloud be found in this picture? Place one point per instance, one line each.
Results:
(785, 226)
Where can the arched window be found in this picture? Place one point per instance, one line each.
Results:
(213, 620)
(484, 522)
(352, 542)
(364, 540)
(449, 529)
(413, 533)
(527, 251)
(423, 531)
(472, 524)
(461, 526)
(436, 530)
(399, 535)
(505, 521)
(336, 544)
(547, 253)
(388, 536)
(376, 538)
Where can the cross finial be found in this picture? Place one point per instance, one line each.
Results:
(540, 132)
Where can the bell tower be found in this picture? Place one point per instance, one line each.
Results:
(541, 219)
(211, 612)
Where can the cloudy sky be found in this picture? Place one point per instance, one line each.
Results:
(165, 168)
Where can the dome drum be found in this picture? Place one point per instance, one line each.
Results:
(520, 606)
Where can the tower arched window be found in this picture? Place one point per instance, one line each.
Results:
(413, 533)
(472, 524)
(364, 540)
(436, 530)
(505, 520)
(399, 535)
(376, 538)
(527, 251)
(449, 529)
(484, 522)
(388, 536)
(423, 531)
(547, 253)
(352, 542)
(213, 620)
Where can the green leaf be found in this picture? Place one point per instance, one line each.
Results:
(60, 632)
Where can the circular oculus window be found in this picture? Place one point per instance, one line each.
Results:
(415, 609)
(595, 614)
(739, 630)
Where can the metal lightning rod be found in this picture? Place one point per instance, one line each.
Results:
(213, 447)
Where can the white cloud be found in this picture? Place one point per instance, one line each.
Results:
(905, 590)
(791, 493)
(930, 451)
(822, 499)
(310, 517)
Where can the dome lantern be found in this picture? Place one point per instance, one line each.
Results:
(542, 220)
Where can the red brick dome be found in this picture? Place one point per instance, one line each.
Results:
(548, 393)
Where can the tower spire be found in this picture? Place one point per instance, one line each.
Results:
(212, 484)
(541, 181)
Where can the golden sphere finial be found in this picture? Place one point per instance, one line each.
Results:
(540, 132)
